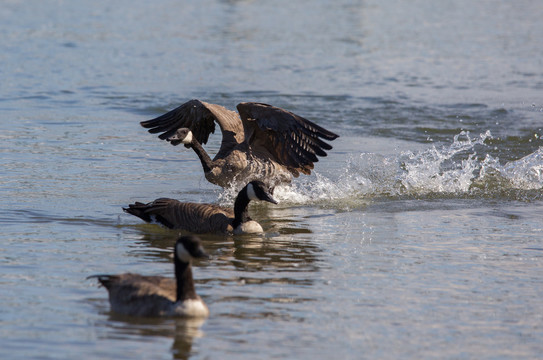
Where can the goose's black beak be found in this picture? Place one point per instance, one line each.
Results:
(174, 140)
(201, 254)
(269, 198)
(180, 137)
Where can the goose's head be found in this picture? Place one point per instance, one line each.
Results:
(257, 190)
(182, 136)
(188, 247)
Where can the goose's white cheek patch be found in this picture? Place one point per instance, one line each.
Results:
(251, 192)
(188, 138)
(182, 253)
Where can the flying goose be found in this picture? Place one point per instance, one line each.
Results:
(263, 142)
(205, 218)
(138, 295)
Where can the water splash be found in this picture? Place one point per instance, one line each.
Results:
(525, 173)
(449, 169)
(461, 169)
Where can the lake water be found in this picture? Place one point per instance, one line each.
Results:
(419, 236)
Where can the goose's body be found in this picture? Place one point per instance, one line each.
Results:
(205, 218)
(263, 142)
(151, 296)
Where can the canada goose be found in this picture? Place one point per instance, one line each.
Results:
(262, 143)
(138, 295)
(205, 218)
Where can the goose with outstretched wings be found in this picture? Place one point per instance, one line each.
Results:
(262, 143)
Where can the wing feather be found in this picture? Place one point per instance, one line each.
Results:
(287, 138)
(193, 217)
(200, 118)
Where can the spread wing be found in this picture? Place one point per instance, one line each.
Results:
(200, 118)
(289, 139)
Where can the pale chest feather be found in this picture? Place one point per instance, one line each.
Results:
(225, 170)
(236, 162)
(190, 308)
(249, 227)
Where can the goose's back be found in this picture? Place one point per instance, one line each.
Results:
(193, 217)
(137, 295)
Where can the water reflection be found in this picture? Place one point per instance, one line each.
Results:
(182, 331)
(278, 253)
(275, 250)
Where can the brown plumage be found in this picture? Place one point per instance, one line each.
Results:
(139, 295)
(205, 218)
(264, 142)
(193, 217)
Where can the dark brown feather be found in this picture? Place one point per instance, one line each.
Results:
(273, 139)
(200, 118)
(289, 139)
(193, 217)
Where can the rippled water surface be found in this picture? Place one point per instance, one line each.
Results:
(419, 236)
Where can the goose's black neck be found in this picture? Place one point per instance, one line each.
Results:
(185, 283)
(206, 161)
(241, 214)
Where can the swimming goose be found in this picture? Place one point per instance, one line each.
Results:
(206, 218)
(263, 142)
(138, 295)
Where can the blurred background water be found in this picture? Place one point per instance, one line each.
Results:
(419, 236)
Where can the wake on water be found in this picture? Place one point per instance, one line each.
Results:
(459, 170)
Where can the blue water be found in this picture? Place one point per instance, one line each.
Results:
(419, 236)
